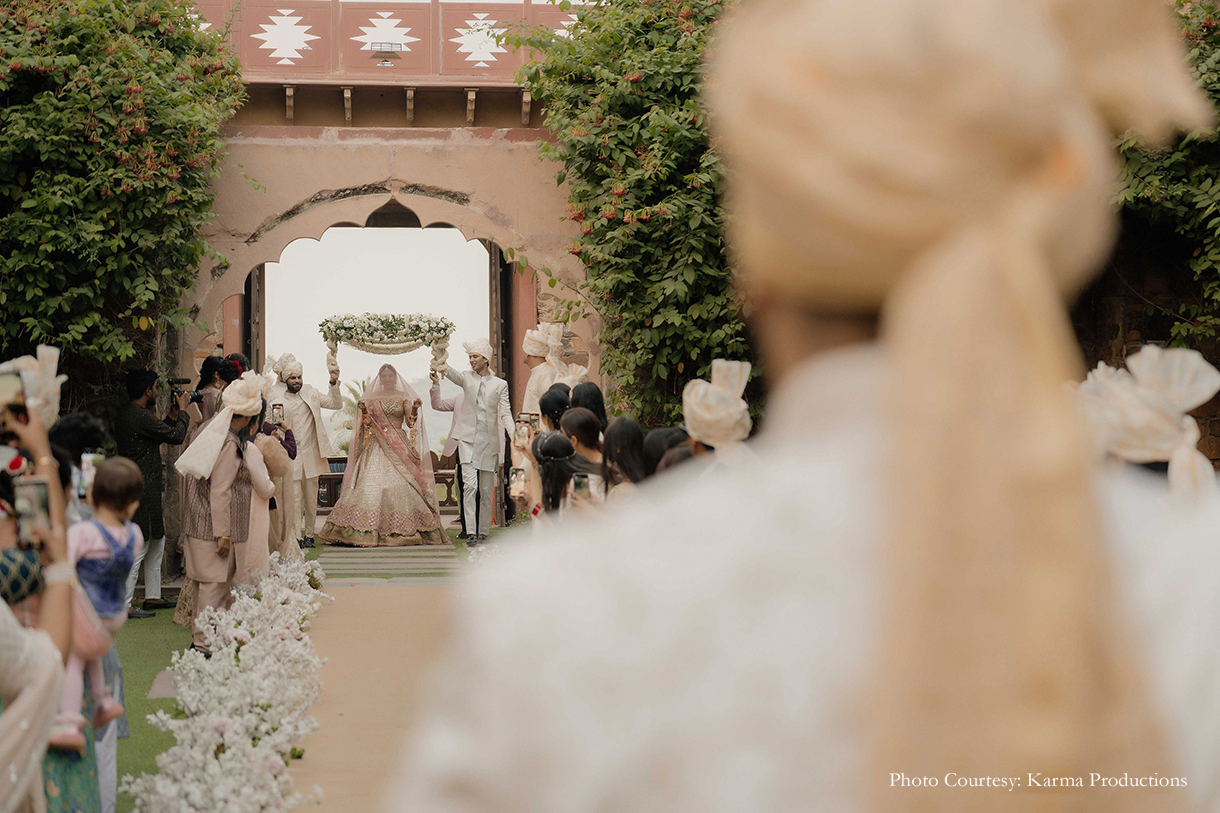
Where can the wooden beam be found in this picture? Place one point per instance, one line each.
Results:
(410, 94)
(289, 102)
(470, 94)
(525, 108)
(347, 106)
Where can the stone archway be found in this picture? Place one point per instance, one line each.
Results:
(282, 184)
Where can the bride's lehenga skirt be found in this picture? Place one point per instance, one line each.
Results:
(381, 509)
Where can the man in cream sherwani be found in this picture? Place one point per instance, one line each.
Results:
(480, 429)
(303, 407)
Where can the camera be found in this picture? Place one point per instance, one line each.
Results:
(175, 388)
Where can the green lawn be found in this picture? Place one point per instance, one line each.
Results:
(145, 645)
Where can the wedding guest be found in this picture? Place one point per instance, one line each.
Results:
(31, 660)
(589, 396)
(717, 416)
(622, 458)
(251, 559)
(541, 348)
(237, 488)
(103, 551)
(674, 457)
(303, 407)
(581, 428)
(481, 428)
(139, 435)
(566, 389)
(77, 433)
(552, 405)
(658, 442)
(279, 466)
(921, 572)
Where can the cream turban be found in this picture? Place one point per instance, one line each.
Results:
(40, 382)
(1140, 412)
(285, 366)
(947, 163)
(243, 397)
(716, 414)
(480, 346)
(535, 344)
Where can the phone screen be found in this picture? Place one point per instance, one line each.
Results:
(89, 461)
(535, 421)
(31, 501)
(522, 435)
(580, 484)
(11, 390)
(277, 413)
(516, 481)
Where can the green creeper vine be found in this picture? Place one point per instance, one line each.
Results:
(1179, 187)
(110, 135)
(621, 94)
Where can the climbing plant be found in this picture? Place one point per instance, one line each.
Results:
(110, 134)
(1179, 187)
(621, 93)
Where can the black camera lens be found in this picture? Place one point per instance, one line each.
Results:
(196, 396)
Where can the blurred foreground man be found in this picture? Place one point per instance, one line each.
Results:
(922, 574)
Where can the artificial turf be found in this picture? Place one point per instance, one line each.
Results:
(144, 646)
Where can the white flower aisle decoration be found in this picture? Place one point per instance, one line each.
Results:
(241, 712)
(388, 334)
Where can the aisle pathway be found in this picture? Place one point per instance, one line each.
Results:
(381, 640)
(415, 565)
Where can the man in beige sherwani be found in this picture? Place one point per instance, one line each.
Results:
(303, 407)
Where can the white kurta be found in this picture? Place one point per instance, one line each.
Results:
(704, 647)
(309, 462)
(541, 379)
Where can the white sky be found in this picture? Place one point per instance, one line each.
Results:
(433, 271)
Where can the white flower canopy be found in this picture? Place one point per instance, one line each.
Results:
(388, 334)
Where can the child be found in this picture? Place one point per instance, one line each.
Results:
(103, 551)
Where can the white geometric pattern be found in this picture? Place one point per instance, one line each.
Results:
(384, 30)
(478, 41)
(200, 23)
(285, 37)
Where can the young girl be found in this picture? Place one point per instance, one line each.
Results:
(103, 551)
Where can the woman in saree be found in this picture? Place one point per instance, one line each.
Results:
(388, 498)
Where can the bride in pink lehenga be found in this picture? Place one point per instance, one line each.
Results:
(388, 497)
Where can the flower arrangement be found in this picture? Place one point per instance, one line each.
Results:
(387, 329)
(241, 712)
(388, 334)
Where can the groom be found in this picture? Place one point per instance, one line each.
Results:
(480, 428)
(303, 407)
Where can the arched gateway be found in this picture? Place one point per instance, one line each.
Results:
(383, 114)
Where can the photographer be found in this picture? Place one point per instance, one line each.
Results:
(139, 434)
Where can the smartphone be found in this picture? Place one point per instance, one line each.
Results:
(580, 485)
(516, 482)
(277, 413)
(522, 435)
(535, 421)
(89, 461)
(12, 393)
(32, 502)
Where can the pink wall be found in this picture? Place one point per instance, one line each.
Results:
(525, 317)
(234, 324)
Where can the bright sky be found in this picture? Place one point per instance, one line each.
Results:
(432, 271)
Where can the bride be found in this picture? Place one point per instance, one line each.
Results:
(389, 493)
